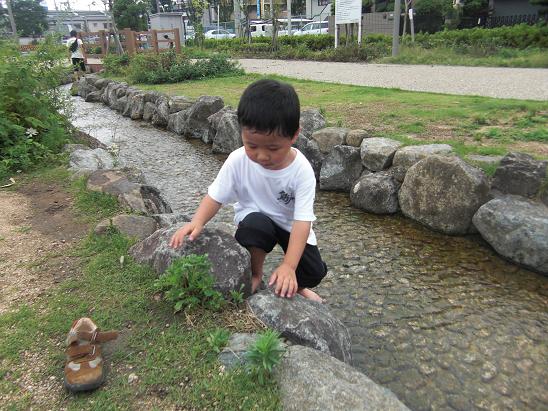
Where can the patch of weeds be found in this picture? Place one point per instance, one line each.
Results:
(237, 296)
(540, 134)
(93, 204)
(495, 133)
(264, 355)
(2, 238)
(218, 339)
(24, 229)
(488, 168)
(480, 120)
(188, 284)
(414, 128)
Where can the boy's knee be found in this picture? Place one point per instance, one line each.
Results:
(256, 230)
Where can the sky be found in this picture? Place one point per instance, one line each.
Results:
(76, 4)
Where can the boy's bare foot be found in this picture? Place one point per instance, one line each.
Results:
(311, 295)
(255, 283)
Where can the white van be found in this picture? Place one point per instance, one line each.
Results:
(260, 29)
(319, 27)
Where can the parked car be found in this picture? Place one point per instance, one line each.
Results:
(320, 27)
(219, 34)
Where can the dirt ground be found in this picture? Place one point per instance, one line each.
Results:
(37, 228)
(36, 221)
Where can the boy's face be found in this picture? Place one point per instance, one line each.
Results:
(270, 150)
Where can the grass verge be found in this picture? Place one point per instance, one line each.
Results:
(170, 354)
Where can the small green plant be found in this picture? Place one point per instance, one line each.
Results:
(264, 355)
(188, 284)
(237, 296)
(218, 339)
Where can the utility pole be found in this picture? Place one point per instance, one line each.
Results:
(237, 21)
(289, 17)
(396, 32)
(12, 20)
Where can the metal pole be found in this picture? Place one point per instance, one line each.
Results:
(336, 32)
(12, 20)
(360, 31)
(218, 16)
(289, 17)
(237, 23)
(412, 24)
(396, 32)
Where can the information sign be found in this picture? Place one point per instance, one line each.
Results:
(348, 11)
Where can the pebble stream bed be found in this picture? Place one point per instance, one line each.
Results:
(442, 321)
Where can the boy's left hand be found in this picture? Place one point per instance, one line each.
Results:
(285, 279)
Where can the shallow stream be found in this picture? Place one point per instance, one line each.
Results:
(442, 321)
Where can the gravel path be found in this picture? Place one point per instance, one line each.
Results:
(518, 83)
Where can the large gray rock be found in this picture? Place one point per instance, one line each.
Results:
(228, 137)
(152, 97)
(329, 137)
(120, 104)
(169, 219)
(312, 381)
(310, 121)
(178, 103)
(102, 83)
(92, 79)
(312, 153)
(376, 193)
(519, 174)
(86, 161)
(303, 322)
(177, 122)
(109, 92)
(135, 196)
(355, 137)
(517, 228)
(137, 103)
(131, 225)
(230, 262)
(405, 157)
(93, 97)
(84, 88)
(148, 111)
(128, 107)
(377, 152)
(161, 113)
(340, 169)
(213, 121)
(195, 121)
(443, 193)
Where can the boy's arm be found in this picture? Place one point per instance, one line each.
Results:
(284, 276)
(205, 212)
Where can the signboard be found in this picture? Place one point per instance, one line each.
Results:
(258, 9)
(348, 11)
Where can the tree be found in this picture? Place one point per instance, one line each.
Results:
(226, 7)
(430, 14)
(130, 14)
(30, 18)
(543, 6)
(298, 7)
(195, 11)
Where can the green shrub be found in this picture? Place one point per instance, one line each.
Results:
(188, 284)
(264, 355)
(172, 68)
(32, 130)
(115, 64)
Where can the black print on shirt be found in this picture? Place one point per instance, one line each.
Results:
(285, 198)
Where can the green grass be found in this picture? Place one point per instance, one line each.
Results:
(175, 364)
(474, 57)
(428, 117)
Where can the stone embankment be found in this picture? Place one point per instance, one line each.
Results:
(426, 183)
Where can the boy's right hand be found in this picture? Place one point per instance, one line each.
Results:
(191, 229)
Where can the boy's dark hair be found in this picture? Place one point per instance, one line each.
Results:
(270, 106)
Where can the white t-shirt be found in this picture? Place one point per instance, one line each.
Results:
(78, 53)
(283, 195)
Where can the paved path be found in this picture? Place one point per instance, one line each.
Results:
(498, 82)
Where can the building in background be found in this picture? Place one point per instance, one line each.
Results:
(80, 20)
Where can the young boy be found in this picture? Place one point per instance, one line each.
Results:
(274, 186)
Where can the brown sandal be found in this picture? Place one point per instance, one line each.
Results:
(84, 364)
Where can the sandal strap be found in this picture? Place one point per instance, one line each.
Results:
(78, 351)
(97, 336)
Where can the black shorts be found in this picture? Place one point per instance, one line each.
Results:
(78, 64)
(258, 230)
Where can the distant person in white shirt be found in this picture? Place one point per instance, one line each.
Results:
(273, 187)
(76, 49)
